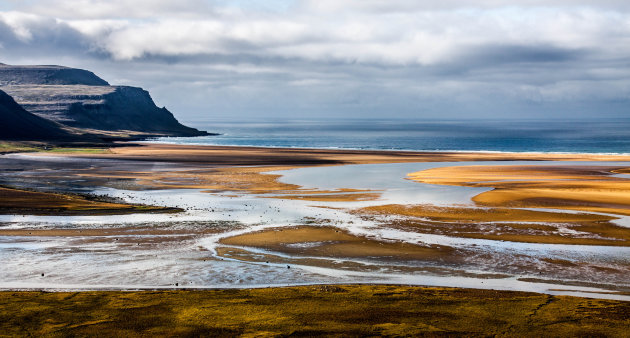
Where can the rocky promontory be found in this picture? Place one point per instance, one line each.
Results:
(79, 99)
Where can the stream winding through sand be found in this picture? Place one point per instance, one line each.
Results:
(174, 258)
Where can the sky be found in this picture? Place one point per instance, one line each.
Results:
(244, 59)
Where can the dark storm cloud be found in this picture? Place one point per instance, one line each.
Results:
(506, 54)
(43, 36)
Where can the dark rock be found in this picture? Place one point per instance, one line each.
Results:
(18, 124)
(77, 98)
(127, 108)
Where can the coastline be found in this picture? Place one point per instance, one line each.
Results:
(274, 155)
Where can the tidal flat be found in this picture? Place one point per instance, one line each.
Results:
(163, 217)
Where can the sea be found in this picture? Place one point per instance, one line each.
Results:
(604, 136)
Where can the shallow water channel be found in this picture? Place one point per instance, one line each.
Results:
(180, 250)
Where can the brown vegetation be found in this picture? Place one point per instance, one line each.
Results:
(15, 201)
(358, 310)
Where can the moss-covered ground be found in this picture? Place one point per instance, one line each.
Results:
(358, 310)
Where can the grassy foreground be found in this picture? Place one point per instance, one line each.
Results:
(28, 147)
(310, 310)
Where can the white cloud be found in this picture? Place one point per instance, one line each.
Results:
(532, 50)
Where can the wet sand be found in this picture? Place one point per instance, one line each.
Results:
(506, 224)
(250, 156)
(346, 310)
(330, 242)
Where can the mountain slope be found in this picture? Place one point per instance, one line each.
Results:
(80, 99)
(18, 124)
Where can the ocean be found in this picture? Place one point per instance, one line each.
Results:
(561, 136)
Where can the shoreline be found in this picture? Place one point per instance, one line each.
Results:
(526, 152)
(125, 149)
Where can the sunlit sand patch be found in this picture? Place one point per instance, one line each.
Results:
(333, 242)
(589, 188)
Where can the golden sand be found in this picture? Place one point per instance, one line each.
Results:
(231, 155)
(330, 242)
(592, 189)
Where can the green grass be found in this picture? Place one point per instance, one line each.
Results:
(359, 310)
(78, 150)
(19, 147)
(15, 147)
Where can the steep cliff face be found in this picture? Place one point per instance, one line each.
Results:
(18, 124)
(80, 99)
(53, 102)
(127, 108)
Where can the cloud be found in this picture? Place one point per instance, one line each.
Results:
(406, 6)
(356, 56)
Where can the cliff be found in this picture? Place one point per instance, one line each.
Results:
(18, 124)
(78, 98)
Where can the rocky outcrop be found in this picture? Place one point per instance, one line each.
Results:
(80, 99)
(18, 124)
